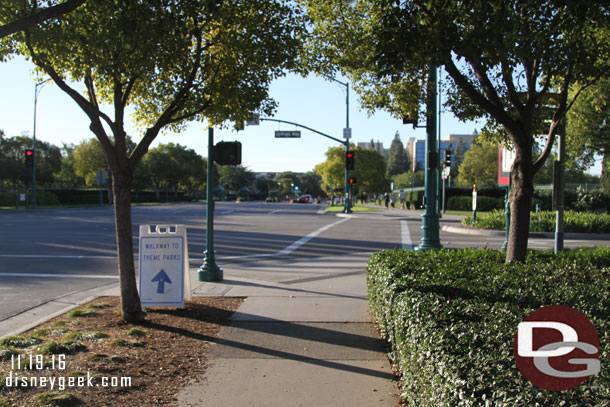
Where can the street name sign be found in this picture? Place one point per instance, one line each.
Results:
(288, 134)
(164, 268)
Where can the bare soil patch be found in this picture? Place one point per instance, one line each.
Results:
(158, 356)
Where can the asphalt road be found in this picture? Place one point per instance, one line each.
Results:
(47, 254)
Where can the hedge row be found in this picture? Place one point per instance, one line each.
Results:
(450, 317)
(574, 222)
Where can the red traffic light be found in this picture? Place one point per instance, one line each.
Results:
(349, 160)
(352, 180)
(29, 153)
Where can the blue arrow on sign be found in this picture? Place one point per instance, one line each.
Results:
(161, 278)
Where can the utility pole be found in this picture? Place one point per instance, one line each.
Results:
(36, 91)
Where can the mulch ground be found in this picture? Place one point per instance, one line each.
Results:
(159, 356)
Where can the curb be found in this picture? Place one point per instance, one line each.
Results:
(31, 318)
(539, 235)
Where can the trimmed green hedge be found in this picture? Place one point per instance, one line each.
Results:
(451, 316)
(574, 222)
(484, 203)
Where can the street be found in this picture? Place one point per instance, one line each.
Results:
(51, 253)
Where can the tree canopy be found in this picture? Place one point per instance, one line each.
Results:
(479, 166)
(370, 170)
(511, 62)
(171, 62)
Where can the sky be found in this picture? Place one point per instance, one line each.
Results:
(313, 101)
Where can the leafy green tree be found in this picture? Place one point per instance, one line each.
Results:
(67, 176)
(332, 170)
(505, 60)
(370, 170)
(398, 161)
(172, 166)
(286, 180)
(409, 179)
(588, 128)
(479, 166)
(12, 161)
(310, 183)
(87, 158)
(235, 177)
(170, 61)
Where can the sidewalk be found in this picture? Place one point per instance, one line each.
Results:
(302, 337)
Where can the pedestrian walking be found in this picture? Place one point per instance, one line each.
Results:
(386, 199)
(393, 201)
(402, 196)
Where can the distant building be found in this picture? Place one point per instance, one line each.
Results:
(457, 143)
(378, 146)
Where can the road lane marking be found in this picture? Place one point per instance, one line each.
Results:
(405, 235)
(275, 211)
(307, 238)
(53, 256)
(46, 275)
(286, 251)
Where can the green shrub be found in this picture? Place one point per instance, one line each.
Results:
(58, 348)
(8, 198)
(451, 316)
(19, 341)
(484, 203)
(56, 399)
(574, 222)
(7, 353)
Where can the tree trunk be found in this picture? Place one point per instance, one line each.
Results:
(522, 189)
(130, 301)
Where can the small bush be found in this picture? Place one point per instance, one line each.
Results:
(7, 353)
(80, 313)
(136, 332)
(85, 336)
(19, 341)
(450, 317)
(56, 399)
(64, 347)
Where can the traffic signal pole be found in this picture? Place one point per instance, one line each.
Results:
(347, 202)
(430, 219)
(210, 271)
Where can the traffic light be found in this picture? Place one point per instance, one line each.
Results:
(352, 180)
(349, 160)
(227, 153)
(29, 158)
(447, 158)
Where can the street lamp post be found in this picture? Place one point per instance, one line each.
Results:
(347, 208)
(36, 91)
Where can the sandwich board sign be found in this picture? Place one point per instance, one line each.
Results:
(164, 267)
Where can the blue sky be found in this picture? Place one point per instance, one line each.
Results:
(312, 101)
